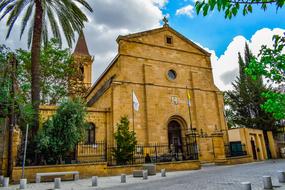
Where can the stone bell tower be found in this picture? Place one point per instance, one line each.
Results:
(80, 81)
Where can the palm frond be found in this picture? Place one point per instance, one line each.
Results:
(26, 18)
(8, 9)
(20, 4)
(64, 14)
(30, 33)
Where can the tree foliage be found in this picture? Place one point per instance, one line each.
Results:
(65, 16)
(5, 81)
(271, 65)
(62, 132)
(125, 142)
(56, 68)
(246, 98)
(23, 108)
(232, 7)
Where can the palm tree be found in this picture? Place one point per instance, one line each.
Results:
(64, 14)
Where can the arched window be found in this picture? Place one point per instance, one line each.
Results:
(90, 136)
(81, 72)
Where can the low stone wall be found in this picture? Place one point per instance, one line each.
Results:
(85, 170)
(237, 160)
(98, 169)
(168, 166)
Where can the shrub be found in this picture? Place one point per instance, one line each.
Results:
(62, 132)
(125, 142)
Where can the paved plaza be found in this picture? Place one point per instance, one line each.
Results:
(210, 177)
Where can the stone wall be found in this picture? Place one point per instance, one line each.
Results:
(236, 160)
(98, 117)
(99, 169)
(4, 139)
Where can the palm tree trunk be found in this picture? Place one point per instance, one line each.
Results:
(36, 50)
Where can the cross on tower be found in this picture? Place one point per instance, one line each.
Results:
(165, 20)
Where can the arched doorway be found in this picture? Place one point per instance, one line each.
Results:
(175, 137)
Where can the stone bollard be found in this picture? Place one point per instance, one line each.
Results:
(6, 182)
(145, 174)
(267, 183)
(57, 183)
(281, 176)
(163, 173)
(23, 183)
(94, 181)
(246, 185)
(1, 179)
(123, 178)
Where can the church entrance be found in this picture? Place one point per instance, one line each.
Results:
(175, 138)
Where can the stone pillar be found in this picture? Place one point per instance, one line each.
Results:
(6, 182)
(94, 181)
(163, 173)
(1, 179)
(281, 176)
(57, 183)
(23, 183)
(123, 178)
(145, 174)
(246, 185)
(267, 183)
(218, 146)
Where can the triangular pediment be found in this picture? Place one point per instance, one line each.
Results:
(158, 37)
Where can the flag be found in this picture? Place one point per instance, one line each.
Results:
(189, 98)
(136, 103)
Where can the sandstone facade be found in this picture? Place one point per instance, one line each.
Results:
(143, 65)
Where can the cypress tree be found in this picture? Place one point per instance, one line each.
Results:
(245, 99)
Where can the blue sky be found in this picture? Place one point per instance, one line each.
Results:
(215, 32)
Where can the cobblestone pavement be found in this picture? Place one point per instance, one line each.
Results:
(219, 178)
(208, 178)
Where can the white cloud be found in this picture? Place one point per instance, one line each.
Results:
(160, 3)
(107, 22)
(187, 10)
(226, 68)
(110, 19)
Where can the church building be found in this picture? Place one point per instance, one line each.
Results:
(171, 78)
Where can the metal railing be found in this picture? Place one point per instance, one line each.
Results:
(95, 152)
(155, 153)
(99, 152)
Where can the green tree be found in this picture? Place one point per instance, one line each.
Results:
(245, 99)
(63, 14)
(125, 142)
(5, 81)
(23, 109)
(62, 132)
(271, 65)
(229, 113)
(232, 7)
(270, 62)
(56, 68)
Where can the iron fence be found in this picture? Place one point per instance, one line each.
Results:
(83, 153)
(95, 152)
(155, 153)
(235, 149)
(99, 152)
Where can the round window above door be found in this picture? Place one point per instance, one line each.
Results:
(171, 74)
